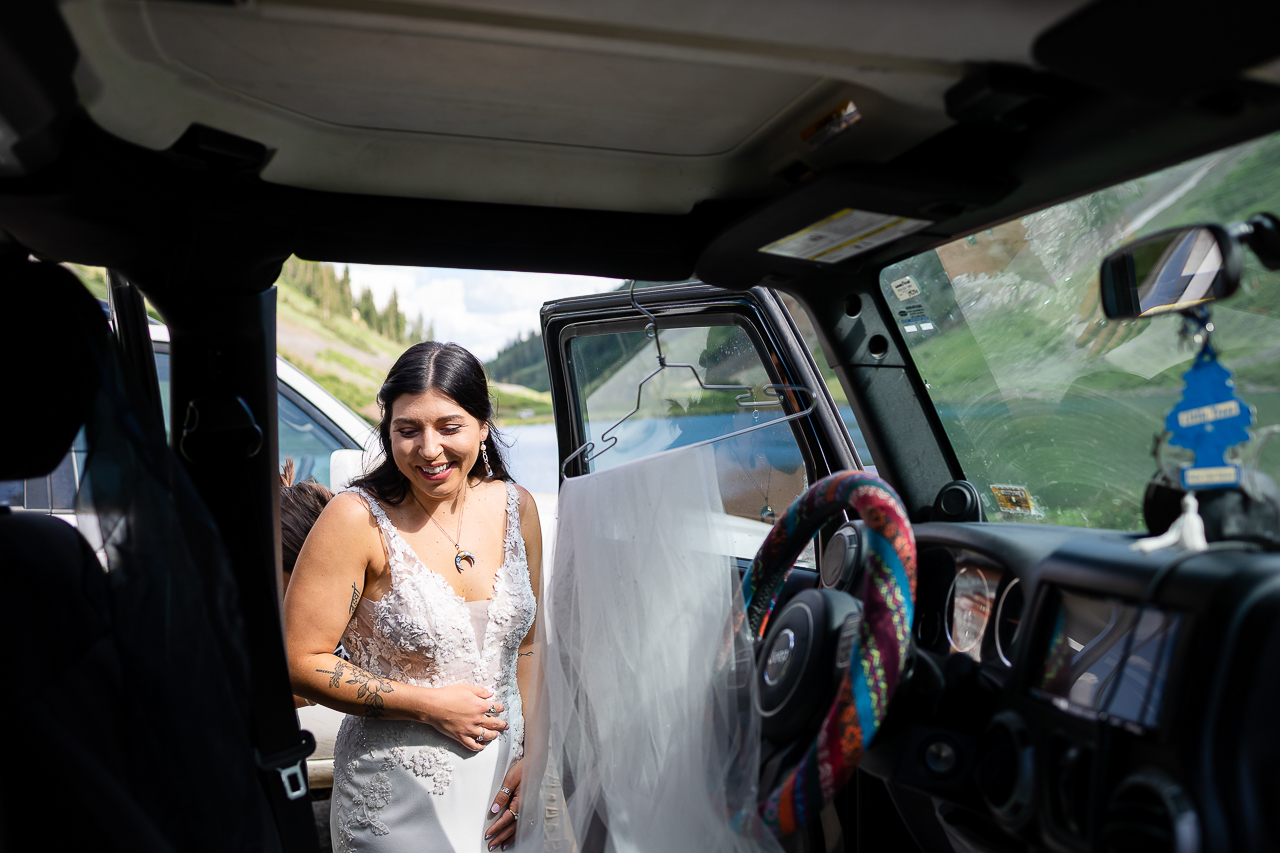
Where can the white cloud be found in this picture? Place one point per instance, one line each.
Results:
(480, 309)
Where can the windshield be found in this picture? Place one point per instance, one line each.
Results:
(1052, 409)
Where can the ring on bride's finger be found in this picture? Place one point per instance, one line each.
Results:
(505, 790)
(513, 814)
(492, 710)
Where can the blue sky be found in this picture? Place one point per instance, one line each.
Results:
(480, 309)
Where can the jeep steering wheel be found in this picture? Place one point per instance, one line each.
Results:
(871, 651)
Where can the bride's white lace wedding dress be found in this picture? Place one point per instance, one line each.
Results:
(404, 786)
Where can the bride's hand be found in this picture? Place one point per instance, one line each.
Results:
(505, 808)
(466, 713)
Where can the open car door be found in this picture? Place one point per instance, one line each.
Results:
(603, 358)
(599, 350)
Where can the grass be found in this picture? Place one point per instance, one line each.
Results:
(374, 376)
(514, 399)
(352, 395)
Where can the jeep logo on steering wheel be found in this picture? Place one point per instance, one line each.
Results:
(779, 656)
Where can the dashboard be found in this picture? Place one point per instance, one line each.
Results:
(1072, 694)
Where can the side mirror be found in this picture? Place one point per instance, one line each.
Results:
(345, 466)
(1171, 271)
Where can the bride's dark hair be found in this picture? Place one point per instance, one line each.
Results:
(452, 371)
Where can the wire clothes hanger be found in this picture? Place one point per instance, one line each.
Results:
(745, 400)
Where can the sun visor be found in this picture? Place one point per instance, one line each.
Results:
(840, 217)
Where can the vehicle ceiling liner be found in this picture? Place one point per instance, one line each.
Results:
(1021, 139)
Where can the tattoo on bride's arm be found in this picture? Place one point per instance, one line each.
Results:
(371, 687)
(526, 654)
(355, 599)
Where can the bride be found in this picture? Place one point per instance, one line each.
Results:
(425, 570)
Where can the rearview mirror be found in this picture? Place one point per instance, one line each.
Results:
(1170, 271)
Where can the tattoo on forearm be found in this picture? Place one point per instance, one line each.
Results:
(526, 654)
(371, 687)
(355, 599)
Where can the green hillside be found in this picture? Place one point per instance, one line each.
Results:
(521, 362)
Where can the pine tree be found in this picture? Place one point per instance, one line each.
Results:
(344, 292)
(368, 311)
(392, 325)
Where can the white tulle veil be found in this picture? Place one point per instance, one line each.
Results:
(644, 733)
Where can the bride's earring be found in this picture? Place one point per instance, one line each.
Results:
(484, 452)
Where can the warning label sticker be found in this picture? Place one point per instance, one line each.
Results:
(905, 288)
(1015, 499)
(844, 234)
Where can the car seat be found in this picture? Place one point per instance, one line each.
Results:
(129, 709)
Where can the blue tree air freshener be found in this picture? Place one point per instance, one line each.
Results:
(1209, 420)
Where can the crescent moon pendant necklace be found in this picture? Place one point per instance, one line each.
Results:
(461, 555)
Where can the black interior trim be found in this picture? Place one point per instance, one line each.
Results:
(906, 438)
(1126, 46)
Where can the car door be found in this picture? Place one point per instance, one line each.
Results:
(307, 434)
(598, 351)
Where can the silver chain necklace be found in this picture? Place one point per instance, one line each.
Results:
(461, 555)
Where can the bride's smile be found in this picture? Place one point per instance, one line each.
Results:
(435, 444)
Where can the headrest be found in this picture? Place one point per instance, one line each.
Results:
(54, 334)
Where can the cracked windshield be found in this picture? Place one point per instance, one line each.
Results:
(1053, 410)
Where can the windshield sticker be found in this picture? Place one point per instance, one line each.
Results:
(844, 234)
(1209, 420)
(905, 288)
(1014, 499)
(915, 318)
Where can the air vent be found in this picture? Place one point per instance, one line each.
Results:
(1006, 770)
(1149, 813)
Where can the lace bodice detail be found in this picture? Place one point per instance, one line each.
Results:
(421, 632)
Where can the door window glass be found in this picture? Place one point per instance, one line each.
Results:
(53, 492)
(760, 473)
(301, 437)
(306, 442)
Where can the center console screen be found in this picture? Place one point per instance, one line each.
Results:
(1105, 655)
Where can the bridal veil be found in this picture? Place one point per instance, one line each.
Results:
(645, 735)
